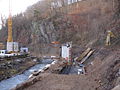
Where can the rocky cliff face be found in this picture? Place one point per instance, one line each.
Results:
(44, 31)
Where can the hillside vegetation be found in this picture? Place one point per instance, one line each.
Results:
(83, 22)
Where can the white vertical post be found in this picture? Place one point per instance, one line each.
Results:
(66, 52)
(9, 46)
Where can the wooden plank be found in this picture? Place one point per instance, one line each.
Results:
(88, 55)
(83, 54)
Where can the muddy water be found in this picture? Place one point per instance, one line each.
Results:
(13, 81)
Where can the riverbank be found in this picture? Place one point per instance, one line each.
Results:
(15, 65)
(55, 68)
(19, 78)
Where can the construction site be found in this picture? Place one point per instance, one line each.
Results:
(61, 45)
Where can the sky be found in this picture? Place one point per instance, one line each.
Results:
(17, 6)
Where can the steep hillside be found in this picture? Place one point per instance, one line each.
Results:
(84, 23)
(93, 19)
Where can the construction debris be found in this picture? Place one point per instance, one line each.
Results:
(54, 67)
(88, 55)
(81, 70)
(83, 54)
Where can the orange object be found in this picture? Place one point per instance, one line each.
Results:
(55, 42)
(10, 39)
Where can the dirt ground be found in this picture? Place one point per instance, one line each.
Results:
(102, 73)
(62, 82)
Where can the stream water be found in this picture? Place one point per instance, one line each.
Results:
(13, 81)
